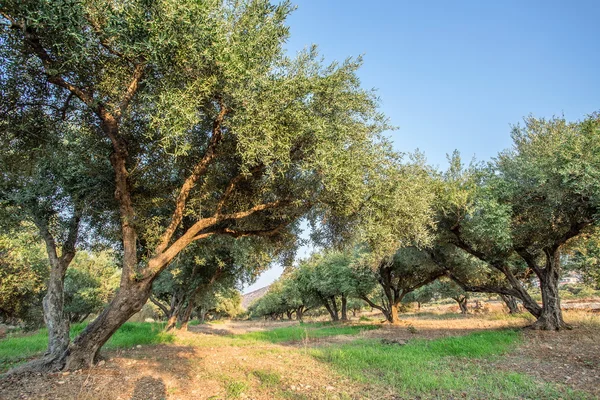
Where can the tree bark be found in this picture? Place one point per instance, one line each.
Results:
(185, 319)
(344, 308)
(172, 321)
(332, 314)
(299, 313)
(83, 352)
(462, 303)
(392, 317)
(57, 322)
(334, 308)
(511, 304)
(551, 318)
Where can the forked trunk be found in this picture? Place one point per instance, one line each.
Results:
(332, 314)
(187, 314)
(130, 299)
(334, 307)
(344, 308)
(462, 304)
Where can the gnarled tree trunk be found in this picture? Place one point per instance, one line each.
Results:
(392, 316)
(462, 303)
(550, 318)
(83, 352)
(511, 304)
(56, 320)
(344, 308)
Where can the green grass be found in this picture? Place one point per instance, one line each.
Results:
(304, 332)
(14, 350)
(444, 367)
(235, 389)
(267, 379)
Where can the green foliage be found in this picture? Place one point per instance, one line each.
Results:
(90, 283)
(583, 256)
(235, 389)
(396, 277)
(23, 271)
(228, 303)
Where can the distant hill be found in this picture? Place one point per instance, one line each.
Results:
(251, 297)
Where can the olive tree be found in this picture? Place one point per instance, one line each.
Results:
(385, 288)
(519, 212)
(210, 128)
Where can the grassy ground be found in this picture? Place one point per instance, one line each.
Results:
(304, 332)
(444, 356)
(15, 350)
(443, 367)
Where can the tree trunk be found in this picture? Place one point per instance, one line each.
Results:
(332, 314)
(83, 352)
(392, 317)
(511, 304)
(462, 304)
(161, 306)
(57, 321)
(334, 308)
(290, 314)
(344, 308)
(551, 318)
(185, 319)
(300, 313)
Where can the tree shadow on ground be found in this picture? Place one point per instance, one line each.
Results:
(149, 388)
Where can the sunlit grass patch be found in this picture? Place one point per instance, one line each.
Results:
(14, 350)
(304, 332)
(438, 367)
(267, 379)
(235, 389)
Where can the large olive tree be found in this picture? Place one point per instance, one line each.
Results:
(212, 129)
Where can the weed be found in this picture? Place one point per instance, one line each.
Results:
(267, 379)
(235, 389)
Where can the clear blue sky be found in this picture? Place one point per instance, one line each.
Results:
(456, 74)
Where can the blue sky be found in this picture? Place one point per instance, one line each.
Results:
(457, 74)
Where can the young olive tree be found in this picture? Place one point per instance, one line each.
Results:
(385, 288)
(212, 129)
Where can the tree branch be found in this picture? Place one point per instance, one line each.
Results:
(191, 181)
(132, 88)
(233, 183)
(68, 247)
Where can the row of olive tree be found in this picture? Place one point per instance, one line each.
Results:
(152, 127)
(500, 228)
